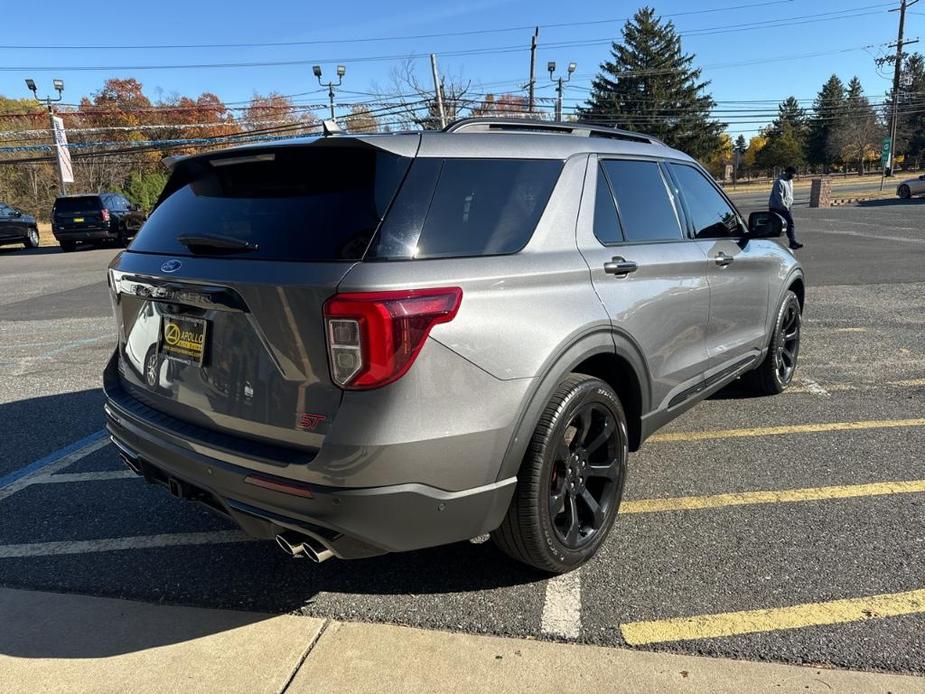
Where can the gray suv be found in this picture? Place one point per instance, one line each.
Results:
(368, 344)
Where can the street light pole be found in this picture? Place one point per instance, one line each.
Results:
(560, 84)
(341, 71)
(48, 101)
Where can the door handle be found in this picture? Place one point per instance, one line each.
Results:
(620, 266)
(722, 259)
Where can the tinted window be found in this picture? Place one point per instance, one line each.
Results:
(606, 223)
(708, 211)
(78, 203)
(476, 207)
(646, 209)
(311, 203)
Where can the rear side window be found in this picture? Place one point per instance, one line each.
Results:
(78, 203)
(307, 203)
(606, 223)
(708, 211)
(646, 209)
(467, 207)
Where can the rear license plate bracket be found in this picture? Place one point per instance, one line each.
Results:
(184, 338)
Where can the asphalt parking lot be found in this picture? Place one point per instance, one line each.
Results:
(781, 529)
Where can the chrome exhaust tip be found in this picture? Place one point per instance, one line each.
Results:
(297, 546)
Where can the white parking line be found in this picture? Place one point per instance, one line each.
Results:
(44, 549)
(22, 478)
(814, 387)
(562, 609)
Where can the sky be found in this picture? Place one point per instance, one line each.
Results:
(751, 68)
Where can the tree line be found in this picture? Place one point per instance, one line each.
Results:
(647, 83)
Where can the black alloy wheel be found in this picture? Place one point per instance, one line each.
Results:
(570, 483)
(586, 471)
(788, 343)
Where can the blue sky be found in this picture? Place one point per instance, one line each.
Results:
(769, 63)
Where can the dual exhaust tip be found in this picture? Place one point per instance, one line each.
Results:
(297, 546)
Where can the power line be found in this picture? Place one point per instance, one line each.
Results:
(405, 37)
(765, 24)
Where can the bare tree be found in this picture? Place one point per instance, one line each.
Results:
(856, 135)
(415, 102)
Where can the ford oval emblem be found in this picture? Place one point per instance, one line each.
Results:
(171, 266)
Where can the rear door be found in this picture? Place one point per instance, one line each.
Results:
(219, 301)
(650, 276)
(78, 213)
(739, 270)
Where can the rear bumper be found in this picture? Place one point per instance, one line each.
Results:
(353, 522)
(91, 234)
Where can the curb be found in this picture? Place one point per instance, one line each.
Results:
(74, 643)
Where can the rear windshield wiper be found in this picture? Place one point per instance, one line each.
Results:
(216, 242)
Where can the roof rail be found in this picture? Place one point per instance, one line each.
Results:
(529, 125)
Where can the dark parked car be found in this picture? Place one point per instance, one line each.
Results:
(95, 218)
(17, 227)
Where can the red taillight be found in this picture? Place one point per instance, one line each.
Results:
(373, 338)
(104, 213)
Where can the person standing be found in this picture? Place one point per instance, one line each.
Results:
(781, 202)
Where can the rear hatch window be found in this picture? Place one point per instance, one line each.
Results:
(452, 208)
(78, 204)
(306, 203)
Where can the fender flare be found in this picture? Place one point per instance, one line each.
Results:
(601, 340)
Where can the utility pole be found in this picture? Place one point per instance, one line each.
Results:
(532, 84)
(341, 71)
(560, 84)
(59, 87)
(897, 72)
(438, 88)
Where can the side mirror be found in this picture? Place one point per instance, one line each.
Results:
(766, 225)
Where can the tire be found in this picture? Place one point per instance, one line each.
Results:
(904, 192)
(578, 452)
(776, 371)
(32, 238)
(151, 365)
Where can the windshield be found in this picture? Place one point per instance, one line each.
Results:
(83, 203)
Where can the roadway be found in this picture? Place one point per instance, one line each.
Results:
(777, 529)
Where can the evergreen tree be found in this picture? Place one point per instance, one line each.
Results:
(649, 85)
(741, 145)
(910, 131)
(786, 137)
(828, 108)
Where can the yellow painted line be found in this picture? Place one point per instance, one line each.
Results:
(788, 429)
(690, 503)
(712, 626)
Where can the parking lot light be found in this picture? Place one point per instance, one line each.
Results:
(341, 71)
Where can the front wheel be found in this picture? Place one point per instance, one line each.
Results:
(904, 192)
(776, 371)
(571, 481)
(32, 238)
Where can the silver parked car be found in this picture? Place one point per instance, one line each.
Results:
(910, 187)
(382, 343)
